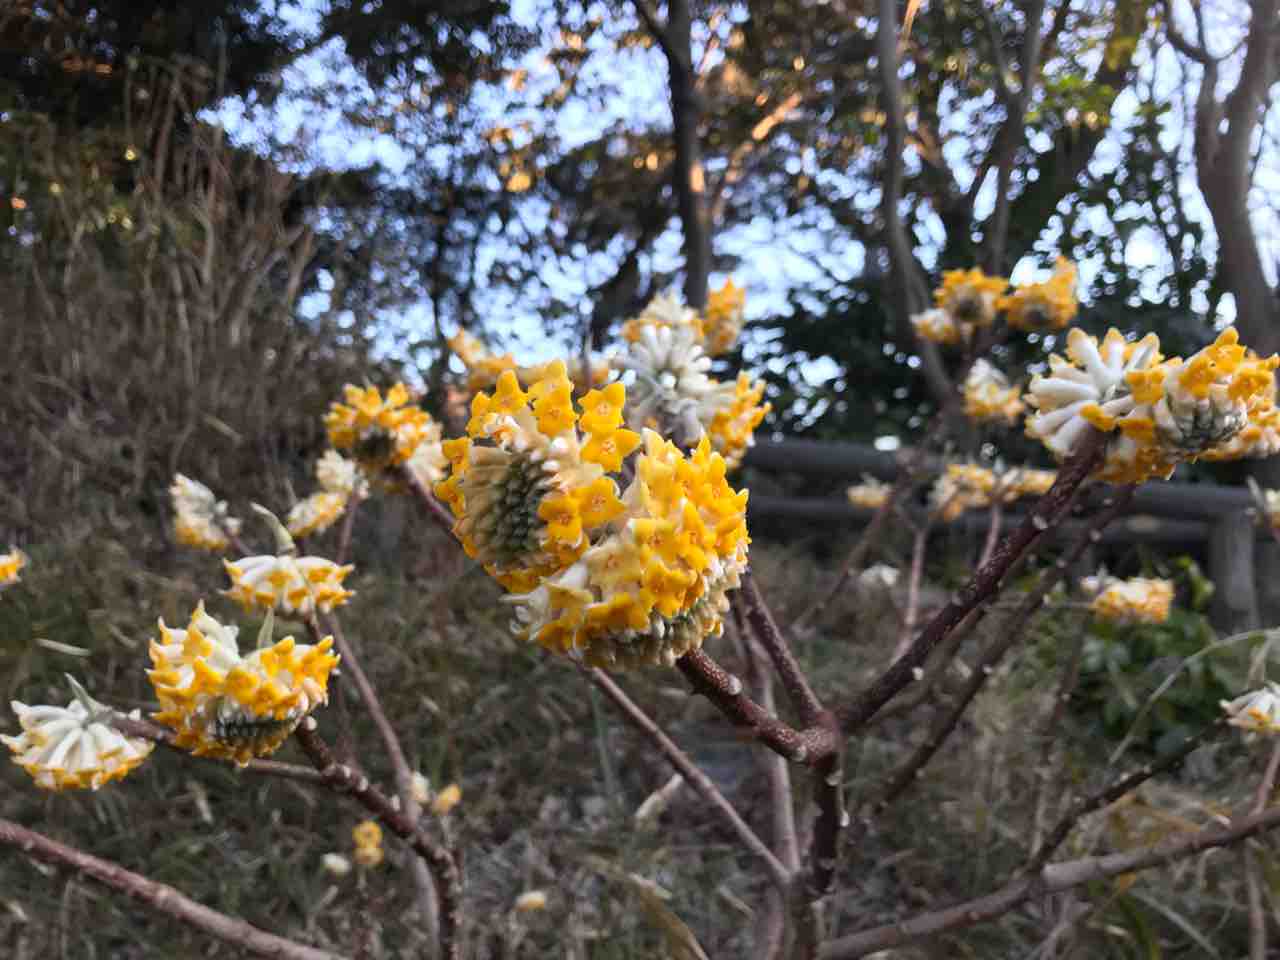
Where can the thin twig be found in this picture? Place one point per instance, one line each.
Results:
(161, 897)
(395, 753)
(794, 681)
(986, 582)
(692, 773)
(907, 628)
(1116, 790)
(1055, 878)
(435, 510)
(1257, 916)
(448, 880)
(1010, 633)
(724, 690)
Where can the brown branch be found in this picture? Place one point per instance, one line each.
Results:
(448, 880)
(1054, 879)
(1010, 633)
(395, 753)
(907, 624)
(986, 582)
(724, 690)
(794, 681)
(780, 875)
(1109, 794)
(161, 897)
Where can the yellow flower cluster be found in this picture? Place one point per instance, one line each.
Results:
(722, 325)
(963, 486)
(379, 433)
(200, 518)
(484, 368)
(1160, 412)
(221, 704)
(1136, 600)
(367, 838)
(72, 747)
(732, 427)
(989, 397)
(615, 578)
(653, 586)
(715, 332)
(870, 494)
(527, 488)
(340, 479)
(11, 564)
(1050, 305)
(286, 583)
(970, 297)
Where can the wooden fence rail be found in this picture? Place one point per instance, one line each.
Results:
(1212, 517)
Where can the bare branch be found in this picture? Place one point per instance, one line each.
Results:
(780, 875)
(161, 897)
(794, 681)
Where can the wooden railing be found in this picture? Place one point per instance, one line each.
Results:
(1213, 519)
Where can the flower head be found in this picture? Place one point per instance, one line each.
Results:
(336, 474)
(222, 704)
(380, 433)
(1136, 600)
(446, 800)
(652, 584)
(288, 584)
(200, 519)
(527, 486)
(988, 396)
(1159, 412)
(10, 565)
(722, 325)
(969, 297)
(1257, 711)
(316, 513)
(870, 494)
(73, 747)
(1049, 305)
(938, 326)
(664, 312)
(963, 486)
(673, 391)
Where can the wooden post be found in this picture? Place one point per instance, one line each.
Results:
(1235, 601)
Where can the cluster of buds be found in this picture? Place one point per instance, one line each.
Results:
(967, 486)
(989, 397)
(200, 519)
(11, 565)
(613, 569)
(1136, 600)
(969, 300)
(1157, 412)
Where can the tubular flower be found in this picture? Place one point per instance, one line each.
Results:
(938, 326)
(526, 486)
(221, 704)
(1050, 305)
(483, 368)
(200, 518)
(969, 297)
(652, 586)
(380, 433)
(1136, 600)
(10, 565)
(988, 396)
(664, 312)
(288, 584)
(336, 474)
(70, 748)
(1257, 711)
(673, 392)
(316, 513)
(1162, 412)
(964, 486)
(870, 494)
(726, 309)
